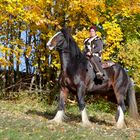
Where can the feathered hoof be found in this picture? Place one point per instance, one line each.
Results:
(57, 121)
(121, 126)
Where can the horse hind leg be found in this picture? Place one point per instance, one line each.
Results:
(120, 89)
(60, 115)
(121, 109)
(120, 118)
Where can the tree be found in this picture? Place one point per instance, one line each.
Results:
(129, 56)
(117, 22)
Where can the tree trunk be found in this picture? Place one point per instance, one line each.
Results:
(11, 59)
(28, 42)
(17, 75)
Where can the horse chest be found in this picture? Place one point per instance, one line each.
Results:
(65, 80)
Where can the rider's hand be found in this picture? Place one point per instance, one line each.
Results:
(88, 53)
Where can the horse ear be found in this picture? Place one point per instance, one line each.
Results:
(66, 30)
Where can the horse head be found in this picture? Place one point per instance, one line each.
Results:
(63, 41)
(56, 41)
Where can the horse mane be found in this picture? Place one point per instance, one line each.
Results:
(74, 49)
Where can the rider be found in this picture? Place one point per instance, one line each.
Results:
(93, 46)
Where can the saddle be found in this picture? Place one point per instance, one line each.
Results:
(107, 64)
(104, 65)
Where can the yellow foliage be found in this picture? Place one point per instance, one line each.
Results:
(28, 51)
(4, 49)
(47, 16)
(114, 36)
(80, 37)
(4, 62)
(130, 57)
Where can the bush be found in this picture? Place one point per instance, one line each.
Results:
(103, 106)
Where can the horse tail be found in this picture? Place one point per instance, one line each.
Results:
(133, 109)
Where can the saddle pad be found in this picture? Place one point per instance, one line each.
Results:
(107, 64)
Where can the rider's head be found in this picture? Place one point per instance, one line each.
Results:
(92, 31)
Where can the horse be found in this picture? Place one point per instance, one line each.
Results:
(77, 76)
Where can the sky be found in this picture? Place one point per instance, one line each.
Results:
(22, 65)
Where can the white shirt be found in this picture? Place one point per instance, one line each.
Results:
(90, 39)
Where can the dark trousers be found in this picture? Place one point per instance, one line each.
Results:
(96, 63)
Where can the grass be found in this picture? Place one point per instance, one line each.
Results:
(28, 119)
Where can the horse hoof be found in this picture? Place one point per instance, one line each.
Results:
(55, 121)
(121, 126)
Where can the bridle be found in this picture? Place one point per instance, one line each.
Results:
(58, 45)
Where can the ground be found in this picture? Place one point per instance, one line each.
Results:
(28, 119)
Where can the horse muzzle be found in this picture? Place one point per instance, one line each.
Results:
(50, 46)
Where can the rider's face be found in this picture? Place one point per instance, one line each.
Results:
(92, 32)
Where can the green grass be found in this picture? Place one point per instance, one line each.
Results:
(27, 119)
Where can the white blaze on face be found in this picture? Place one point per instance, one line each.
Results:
(49, 42)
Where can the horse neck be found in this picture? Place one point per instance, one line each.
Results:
(65, 60)
(65, 57)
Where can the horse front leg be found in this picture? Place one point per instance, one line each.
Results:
(60, 115)
(81, 103)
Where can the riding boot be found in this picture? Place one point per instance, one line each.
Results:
(96, 62)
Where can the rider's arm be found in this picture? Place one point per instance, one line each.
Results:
(98, 46)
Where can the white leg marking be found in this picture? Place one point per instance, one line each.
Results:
(59, 116)
(85, 119)
(120, 122)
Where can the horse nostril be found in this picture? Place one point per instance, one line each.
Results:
(48, 44)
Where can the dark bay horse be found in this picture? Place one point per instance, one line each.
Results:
(78, 76)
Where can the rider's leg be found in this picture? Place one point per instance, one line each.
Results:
(96, 62)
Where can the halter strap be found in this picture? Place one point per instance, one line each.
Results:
(49, 42)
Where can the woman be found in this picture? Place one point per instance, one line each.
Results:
(93, 46)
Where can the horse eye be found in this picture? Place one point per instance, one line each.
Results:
(53, 42)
